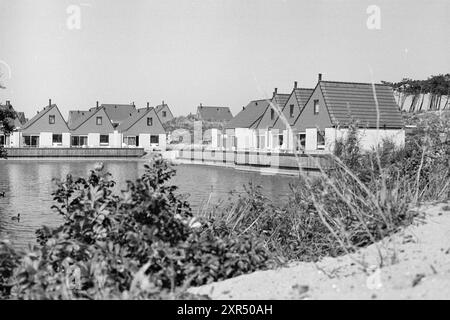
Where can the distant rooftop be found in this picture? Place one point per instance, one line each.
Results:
(249, 115)
(118, 112)
(211, 113)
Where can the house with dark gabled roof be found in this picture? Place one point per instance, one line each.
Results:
(92, 128)
(118, 112)
(46, 129)
(240, 131)
(7, 139)
(216, 114)
(143, 129)
(264, 140)
(282, 126)
(164, 113)
(333, 105)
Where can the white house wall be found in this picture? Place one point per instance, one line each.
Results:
(311, 139)
(162, 141)
(15, 139)
(115, 140)
(66, 140)
(45, 139)
(369, 138)
(144, 141)
(94, 140)
(245, 138)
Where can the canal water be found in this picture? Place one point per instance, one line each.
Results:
(28, 186)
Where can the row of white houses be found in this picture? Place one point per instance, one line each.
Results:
(312, 119)
(111, 125)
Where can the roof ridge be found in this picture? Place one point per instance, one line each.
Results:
(94, 112)
(348, 82)
(36, 117)
(138, 118)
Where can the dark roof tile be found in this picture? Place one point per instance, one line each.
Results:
(249, 116)
(214, 113)
(346, 100)
(131, 120)
(118, 112)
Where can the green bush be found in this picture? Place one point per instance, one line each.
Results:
(108, 243)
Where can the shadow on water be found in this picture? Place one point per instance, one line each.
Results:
(28, 186)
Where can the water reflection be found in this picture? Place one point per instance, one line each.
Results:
(28, 186)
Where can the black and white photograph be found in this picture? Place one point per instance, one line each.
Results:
(234, 151)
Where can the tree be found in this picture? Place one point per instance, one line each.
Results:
(6, 124)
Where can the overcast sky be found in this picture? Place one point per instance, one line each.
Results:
(220, 52)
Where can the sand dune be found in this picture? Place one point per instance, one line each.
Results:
(415, 264)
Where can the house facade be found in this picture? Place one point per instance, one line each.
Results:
(266, 137)
(46, 129)
(215, 114)
(239, 132)
(143, 129)
(93, 128)
(334, 105)
(15, 123)
(163, 111)
(284, 122)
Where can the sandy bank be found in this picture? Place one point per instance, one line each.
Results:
(415, 264)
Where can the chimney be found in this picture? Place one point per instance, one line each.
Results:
(295, 84)
(133, 103)
(320, 77)
(201, 105)
(148, 104)
(49, 102)
(7, 103)
(243, 107)
(275, 91)
(163, 102)
(97, 104)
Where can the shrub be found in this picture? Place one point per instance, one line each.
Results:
(107, 241)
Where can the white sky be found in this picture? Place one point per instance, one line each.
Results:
(221, 52)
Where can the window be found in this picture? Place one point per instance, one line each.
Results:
(320, 139)
(130, 141)
(150, 121)
(99, 121)
(2, 140)
(31, 141)
(272, 114)
(316, 106)
(27, 141)
(154, 139)
(104, 139)
(79, 141)
(291, 111)
(301, 142)
(57, 138)
(280, 140)
(164, 114)
(51, 119)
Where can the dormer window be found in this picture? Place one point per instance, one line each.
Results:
(149, 121)
(291, 111)
(51, 119)
(99, 121)
(272, 114)
(164, 114)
